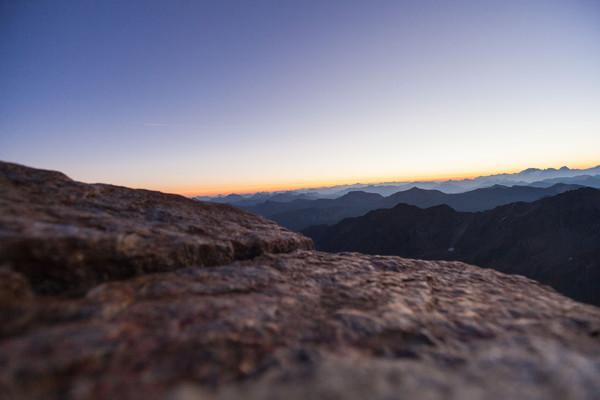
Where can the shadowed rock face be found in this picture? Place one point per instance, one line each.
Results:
(67, 235)
(295, 325)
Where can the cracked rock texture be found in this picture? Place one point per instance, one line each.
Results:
(296, 325)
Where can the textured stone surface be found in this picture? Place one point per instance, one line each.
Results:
(295, 325)
(66, 235)
(309, 325)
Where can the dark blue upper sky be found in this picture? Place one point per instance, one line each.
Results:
(195, 96)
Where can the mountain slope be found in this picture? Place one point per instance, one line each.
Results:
(555, 240)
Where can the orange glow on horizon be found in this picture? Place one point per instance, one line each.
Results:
(193, 190)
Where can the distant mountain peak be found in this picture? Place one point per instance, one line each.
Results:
(358, 193)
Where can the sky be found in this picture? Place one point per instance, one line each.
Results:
(206, 97)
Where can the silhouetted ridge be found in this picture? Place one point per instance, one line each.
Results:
(357, 197)
(301, 213)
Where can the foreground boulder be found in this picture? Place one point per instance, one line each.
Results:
(295, 325)
(66, 235)
(308, 325)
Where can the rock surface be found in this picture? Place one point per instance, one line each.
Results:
(67, 235)
(295, 325)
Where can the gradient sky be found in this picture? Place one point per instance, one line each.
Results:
(205, 97)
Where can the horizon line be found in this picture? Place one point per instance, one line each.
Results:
(274, 188)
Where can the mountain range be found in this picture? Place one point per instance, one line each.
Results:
(554, 240)
(301, 213)
(531, 176)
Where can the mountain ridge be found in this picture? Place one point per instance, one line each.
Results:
(299, 214)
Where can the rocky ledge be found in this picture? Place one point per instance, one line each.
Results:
(207, 302)
(67, 235)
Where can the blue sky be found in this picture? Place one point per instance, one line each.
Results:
(222, 96)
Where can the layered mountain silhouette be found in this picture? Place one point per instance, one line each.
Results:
(583, 180)
(555, 240)
(529, 177)
(302, 213)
